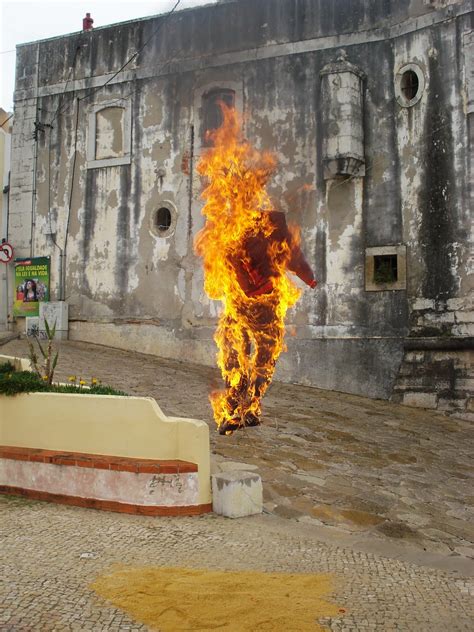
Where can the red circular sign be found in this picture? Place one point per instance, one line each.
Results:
(6, 252)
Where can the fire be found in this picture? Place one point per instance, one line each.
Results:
(247, 248)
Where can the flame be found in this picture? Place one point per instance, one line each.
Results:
(238, 212)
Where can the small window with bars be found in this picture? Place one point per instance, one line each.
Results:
(385, 268)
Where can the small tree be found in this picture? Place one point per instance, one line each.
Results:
(46, 371)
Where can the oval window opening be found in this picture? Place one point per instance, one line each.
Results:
(409, 85)
(163, 220)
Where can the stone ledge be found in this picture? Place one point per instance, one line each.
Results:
(86, 429)
(420, 400)
(98, 461)
(51, 476)
(108, 505)
(460, 343)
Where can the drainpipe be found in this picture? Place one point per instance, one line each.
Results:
(51, 232)
(35, 160)
(5, 268)
(190, 189)
(63, 256)
(5, 219)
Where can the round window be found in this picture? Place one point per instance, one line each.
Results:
(162, 222)
(409, 85)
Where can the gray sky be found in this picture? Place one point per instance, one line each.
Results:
(25, 21)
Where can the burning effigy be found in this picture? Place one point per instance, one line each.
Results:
(247, 249)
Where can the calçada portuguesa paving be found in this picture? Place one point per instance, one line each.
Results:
(376, 495)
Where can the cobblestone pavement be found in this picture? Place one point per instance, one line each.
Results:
(53, 553)
(377, 493)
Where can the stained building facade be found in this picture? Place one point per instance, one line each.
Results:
(368, 106)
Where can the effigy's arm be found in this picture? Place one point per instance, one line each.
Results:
(297, 262)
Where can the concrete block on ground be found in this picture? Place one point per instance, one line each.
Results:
(57, 314)
(232, 466)
(237, 494)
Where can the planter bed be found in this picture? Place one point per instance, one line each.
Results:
(103, 451)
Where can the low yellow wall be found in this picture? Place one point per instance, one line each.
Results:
(20, 364)
(105, 424)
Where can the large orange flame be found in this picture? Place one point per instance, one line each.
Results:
(247, 248)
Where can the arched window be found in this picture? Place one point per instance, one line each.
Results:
(109, 134)
(211, 111)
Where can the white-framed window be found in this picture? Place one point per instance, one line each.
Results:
(109, 134)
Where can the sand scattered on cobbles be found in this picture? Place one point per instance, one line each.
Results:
(173, 599)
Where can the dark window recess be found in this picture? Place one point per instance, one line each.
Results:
(385, 269)
(163, 219)
(212, 114)
(409, 85)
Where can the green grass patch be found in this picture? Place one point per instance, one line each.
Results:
(6, 367)
(15, 382)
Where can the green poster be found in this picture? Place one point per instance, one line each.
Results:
(31, 285)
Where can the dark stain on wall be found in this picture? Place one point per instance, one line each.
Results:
(123, 235)
(436, 199)
(88, 224)
(137, 135)
(301, 68)
(319, 259)
(383, 224)
(55, 134)
(319, 127)
(93, 45)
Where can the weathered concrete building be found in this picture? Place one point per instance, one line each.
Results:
(5, 152)
(368, 106)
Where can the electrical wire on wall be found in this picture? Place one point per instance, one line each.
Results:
(63, 106)
(135, 54)
(35, 161)
(6, 120)
(54, 118)
(59, 110)
(71, 191)
(92, 91)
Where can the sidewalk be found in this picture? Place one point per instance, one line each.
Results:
(52, 554)
(378, 494)
(6, 336)
(368, 467)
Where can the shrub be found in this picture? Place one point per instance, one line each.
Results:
(46, 371)
(6, 367)
(14, 382)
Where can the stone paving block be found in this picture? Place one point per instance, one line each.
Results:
(420, 400)
(234, 466)
(237, 494)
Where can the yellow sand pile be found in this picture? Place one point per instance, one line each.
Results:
(179, 599)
